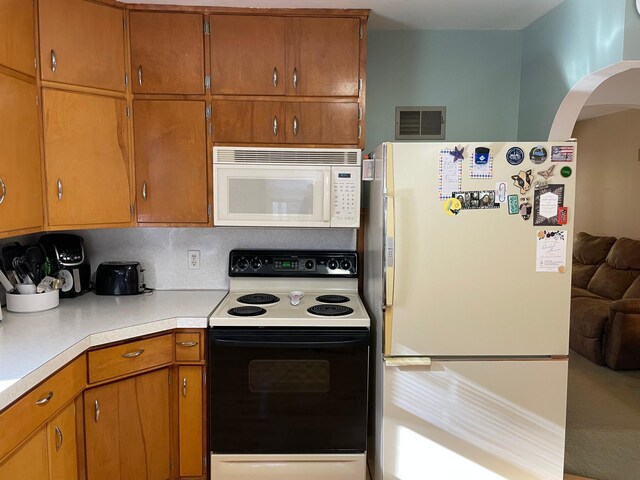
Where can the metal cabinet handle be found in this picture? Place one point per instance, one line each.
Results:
(359, 131)
(140, 75)
(3, 190)
(54, 61)
(44, 400)
(59, 184)
(187, 344)
(144, 190)
(275, 77)
(59, 439)
(137, 353)
(184, 387)
(295, 78)
(97, 415)
(295, 126)
(275, 126)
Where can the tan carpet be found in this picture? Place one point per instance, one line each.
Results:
(603, 421)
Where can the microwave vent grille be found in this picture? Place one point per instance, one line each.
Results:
(288, 156)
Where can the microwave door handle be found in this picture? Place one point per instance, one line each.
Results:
(326, 207)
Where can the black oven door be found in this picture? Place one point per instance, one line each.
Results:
(288, 390)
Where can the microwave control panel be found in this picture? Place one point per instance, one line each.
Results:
(345, 197)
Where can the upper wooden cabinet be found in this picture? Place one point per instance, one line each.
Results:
(247, 121)
(171, 161)
(17, 41)
(304, 56)
(167, 52)
(325, 123)
(20, 178)
(86, 158)
(82, 43)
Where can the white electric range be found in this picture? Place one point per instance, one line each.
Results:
(288, 368)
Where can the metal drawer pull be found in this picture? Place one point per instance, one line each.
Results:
(144, 190)
(295, 78)
(59, 439)
(44, 400)
(3, 190)
(295, 126)
(275, 77)
(59, 184)
(97, 416)
(275, 126)
(137, 353)
(54, 61)
(184, 387)
(187, 344)
(140, 75)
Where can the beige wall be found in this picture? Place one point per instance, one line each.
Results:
(608, 183)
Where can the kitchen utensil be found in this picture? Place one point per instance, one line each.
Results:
(295, 296)
(33, 256)
(8, 286)
(22, 268)
(26, 289)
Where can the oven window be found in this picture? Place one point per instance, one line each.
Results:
(277, 196)
(289, 376)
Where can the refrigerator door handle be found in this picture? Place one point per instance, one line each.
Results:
(407, 361)
(389, 249)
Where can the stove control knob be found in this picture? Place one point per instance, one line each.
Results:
(309, 264)
(333, 264)
(256, 263)
(242, 263)
(345, 265)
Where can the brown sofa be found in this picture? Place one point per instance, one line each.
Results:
(605, 300)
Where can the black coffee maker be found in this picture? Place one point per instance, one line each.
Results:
(65, 252)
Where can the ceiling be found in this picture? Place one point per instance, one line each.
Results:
(412, 14)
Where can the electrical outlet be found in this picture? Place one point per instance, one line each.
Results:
(194, 259)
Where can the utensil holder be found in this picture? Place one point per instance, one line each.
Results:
(35, 302)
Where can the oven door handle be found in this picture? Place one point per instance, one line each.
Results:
(294, 344)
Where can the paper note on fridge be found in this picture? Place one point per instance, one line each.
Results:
(551, 251)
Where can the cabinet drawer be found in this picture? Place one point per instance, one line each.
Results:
(130, 357)
(34, 408)
(189, 347)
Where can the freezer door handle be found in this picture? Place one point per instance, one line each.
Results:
(407, 361)
(389, 249)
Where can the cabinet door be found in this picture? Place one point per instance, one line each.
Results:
(323, 54)
(247, 55)
(17, 50)
(191, 423)
(20, 184)
(248, 122)
(86, 159)
(167, 52)
(171, 161)
(127, 428)
(29, 461)
(61, 439)
(322, 123)
(82, 43)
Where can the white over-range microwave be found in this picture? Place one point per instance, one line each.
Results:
(286, 187)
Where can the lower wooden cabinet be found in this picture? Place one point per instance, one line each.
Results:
(62, 445)
(127, 428)
(190, 421)
(29, 461)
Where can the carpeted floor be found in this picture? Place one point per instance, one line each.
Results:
(603, 421)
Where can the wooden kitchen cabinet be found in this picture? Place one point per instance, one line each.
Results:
(82, 43)
(17, 41)
(167, 52)
(62, 445)
(322, 123)
(248, 55)
(190, 421)
(171, 161)
(20, 177)
(248, 121)
(29, 461)
(86, 160)
(127, 428)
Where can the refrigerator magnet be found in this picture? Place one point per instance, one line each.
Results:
(523, 181)
(565, 172)
(562, 153)
(452, 206)
(515, 156)
(546, 201)
(514, 208)
(525, 209)
(563, 216)
(548, 173)
(501, 192)
(538, 155)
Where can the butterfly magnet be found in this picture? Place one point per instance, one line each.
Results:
(548, 173)
(523, 181)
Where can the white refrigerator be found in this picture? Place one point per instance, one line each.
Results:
(468, 251)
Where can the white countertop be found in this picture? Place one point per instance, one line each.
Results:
(35, 345)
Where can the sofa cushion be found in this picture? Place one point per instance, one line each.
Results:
(625, 254)
(590, 249)
(582, 274)
(588, 316)
(611, 282)
(583, 292)
(634, 290)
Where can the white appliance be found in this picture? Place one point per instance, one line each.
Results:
(288, 366)
(286, 187)
(468, 253)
